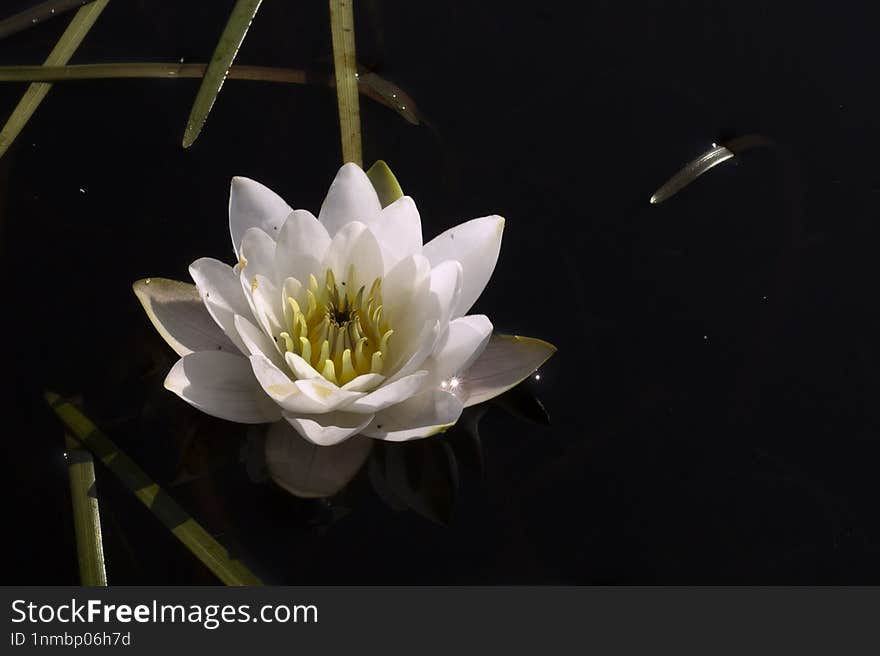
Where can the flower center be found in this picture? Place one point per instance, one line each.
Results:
(341, 334)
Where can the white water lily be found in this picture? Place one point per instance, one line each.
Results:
(340, 324)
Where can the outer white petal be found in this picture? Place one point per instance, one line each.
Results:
(354, 245)
(505, 362)
(399, 231)
(251, 205)
(389, 394)
(351, 198)
(181, 318)
(328, 429)
(315, 396)
(301, 247)
(426, 414)
(256, 341)
(307, 470)
(222, 385)
(476, 245)
(221, 292)
(461, 346)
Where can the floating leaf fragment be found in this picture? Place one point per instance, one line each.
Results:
(692, 170)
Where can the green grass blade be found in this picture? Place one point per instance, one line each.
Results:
(203, 546)
(79, 26)
(86, 518)
(37, 15)
(230, 41)
(345, 66)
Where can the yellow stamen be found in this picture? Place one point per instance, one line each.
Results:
(341, 332)
(329, 370)
(348, 372)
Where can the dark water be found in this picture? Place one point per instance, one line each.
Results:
(713, 404)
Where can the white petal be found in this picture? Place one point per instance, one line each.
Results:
(251, 205)
(398, 229)
(300, 368)
(256, 341)
(389, 394)
(423, 347)
(222, 385)
(181, 318)
(505, 362)
(292, 288)
(461, 346)
(351, 198)
(408, 306)
(476, 245)
(354, 245)
(301, 247)
(364, 382)
(423, 415)
(446, 281)
(221, 292)
(264, 301)
(257, 255)
(307, 470)
(329, 429)
(315, 396)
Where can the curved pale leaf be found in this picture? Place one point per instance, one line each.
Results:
(506, 361)
(178, 314)
(386, 185)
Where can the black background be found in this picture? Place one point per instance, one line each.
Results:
(712, 404)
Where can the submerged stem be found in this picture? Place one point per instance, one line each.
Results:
(86, 517)
(372, 86)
